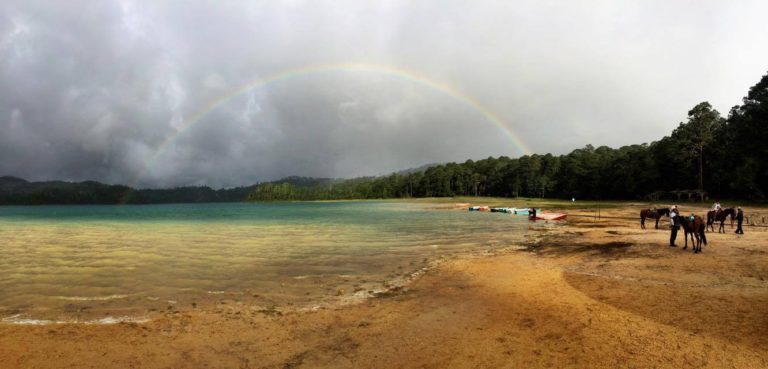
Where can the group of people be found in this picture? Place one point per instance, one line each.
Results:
(674, 216)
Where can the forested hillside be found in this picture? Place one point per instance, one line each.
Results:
(16, 191)
(726, 157)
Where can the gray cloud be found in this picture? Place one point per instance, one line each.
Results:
(90, 90)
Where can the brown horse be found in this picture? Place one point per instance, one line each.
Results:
(695, 226)
(719, 216)
(652, 214)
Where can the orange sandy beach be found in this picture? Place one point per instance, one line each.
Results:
(588, 294)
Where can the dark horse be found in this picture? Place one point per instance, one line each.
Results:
(694, 225)
(720, 216)
(652, 214)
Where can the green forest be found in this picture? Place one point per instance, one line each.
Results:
(724, 156)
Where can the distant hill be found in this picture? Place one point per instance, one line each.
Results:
(8, 182)
(420, 169)
(306, 181)
(311, 181)
(17, 191)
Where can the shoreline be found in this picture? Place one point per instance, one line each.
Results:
(598, 294)
(298, 289)
(383, 289)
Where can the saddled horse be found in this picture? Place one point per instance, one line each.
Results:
(695, 226)
(719, 216)
(652, 214)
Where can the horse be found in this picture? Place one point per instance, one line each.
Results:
(695, 226)
(719, 216)
(652, 214)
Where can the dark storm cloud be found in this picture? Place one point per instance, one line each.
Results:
(90, 90)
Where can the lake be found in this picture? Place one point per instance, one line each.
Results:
(106, 263)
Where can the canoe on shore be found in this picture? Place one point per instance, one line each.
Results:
(525, 211)
(516, 211)
(551, 216)
(502, 210)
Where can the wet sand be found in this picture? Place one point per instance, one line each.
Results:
(589, 294)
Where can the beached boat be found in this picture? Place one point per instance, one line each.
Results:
(503, 210)
(551, 216)
(516, 211)
(525, 211)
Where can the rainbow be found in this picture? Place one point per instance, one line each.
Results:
(388, 71)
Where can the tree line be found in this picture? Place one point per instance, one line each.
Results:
(724, 156)
(17, 191)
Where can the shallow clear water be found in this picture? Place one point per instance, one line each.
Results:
(90, 262)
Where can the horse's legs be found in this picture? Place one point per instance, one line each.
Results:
(657, 222)
(693, 243)
(686, 240)
(697, 249)
(642, 222)
(700, 242)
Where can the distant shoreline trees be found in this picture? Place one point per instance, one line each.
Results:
(728, 158)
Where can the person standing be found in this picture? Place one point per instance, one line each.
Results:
(674, 218)
(739, 220)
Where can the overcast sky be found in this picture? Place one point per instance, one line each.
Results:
(91, 89)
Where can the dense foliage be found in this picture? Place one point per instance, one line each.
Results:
(725, 157)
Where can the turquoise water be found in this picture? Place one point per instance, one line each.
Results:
(81, 263)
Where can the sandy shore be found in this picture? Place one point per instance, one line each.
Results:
(590, 294)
